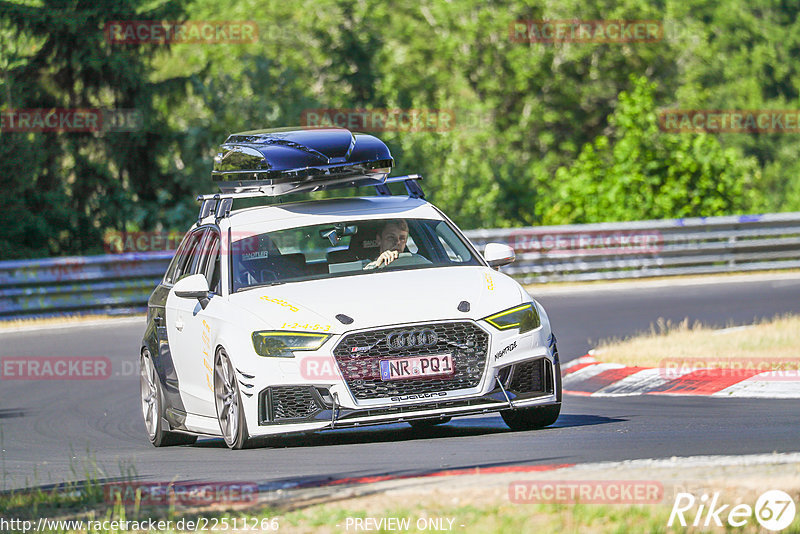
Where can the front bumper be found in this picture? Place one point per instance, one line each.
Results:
(288, 409)
(481, 405)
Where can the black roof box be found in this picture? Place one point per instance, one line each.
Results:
(285, 160)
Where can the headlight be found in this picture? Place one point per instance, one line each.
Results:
(525, 317)
(281, 344)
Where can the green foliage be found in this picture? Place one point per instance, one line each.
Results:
(643, 173)
(544, 133)
(66, 188)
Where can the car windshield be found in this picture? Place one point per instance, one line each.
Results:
(346, 249)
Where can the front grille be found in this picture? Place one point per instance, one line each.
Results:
(284, 403)
(531, 376)
(359, 354)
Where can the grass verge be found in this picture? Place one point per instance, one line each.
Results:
(776, 339)
(469, 504)
(425, 515)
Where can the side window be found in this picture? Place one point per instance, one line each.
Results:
(411, 245)
(169, 277)
(455, 249)
(193, 258)
(216, 276)
(184, 258)
(209, 265)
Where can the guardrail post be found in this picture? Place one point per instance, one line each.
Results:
(732, 257)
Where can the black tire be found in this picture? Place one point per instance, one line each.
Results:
(228, 402)
(531, 418)
(153, 407)
(430, 422)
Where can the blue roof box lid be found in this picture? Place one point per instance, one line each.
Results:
(284, 160)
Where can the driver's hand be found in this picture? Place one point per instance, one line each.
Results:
(386, 257)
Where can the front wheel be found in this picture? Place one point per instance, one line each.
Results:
(531, 418)
(229, 404)
(153, 407)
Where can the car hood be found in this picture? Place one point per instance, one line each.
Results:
(382, 298)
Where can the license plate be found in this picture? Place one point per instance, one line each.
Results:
(417, 367)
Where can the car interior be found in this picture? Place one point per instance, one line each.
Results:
(339, 249)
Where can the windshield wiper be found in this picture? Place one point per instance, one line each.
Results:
(265, 284)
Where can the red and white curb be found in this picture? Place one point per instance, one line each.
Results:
(589, 377)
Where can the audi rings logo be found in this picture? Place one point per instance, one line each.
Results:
(412, 339)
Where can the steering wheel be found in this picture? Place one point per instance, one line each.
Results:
(403, 259)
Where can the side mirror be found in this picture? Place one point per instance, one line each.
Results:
(497, 254)
(193, 287)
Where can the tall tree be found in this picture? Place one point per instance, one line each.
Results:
(67, 187)
(639, 172)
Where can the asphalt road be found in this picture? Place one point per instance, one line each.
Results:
(580, 318)
(52, 431)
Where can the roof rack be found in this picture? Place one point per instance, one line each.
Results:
(280, 161)
(220, 204)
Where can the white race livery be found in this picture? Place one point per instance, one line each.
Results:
(335, 313)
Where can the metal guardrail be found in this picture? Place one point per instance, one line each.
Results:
(115, 283)
(122, 283)
(639, 249)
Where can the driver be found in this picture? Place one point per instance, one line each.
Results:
(391, 239)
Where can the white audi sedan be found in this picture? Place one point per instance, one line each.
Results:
(313, 315)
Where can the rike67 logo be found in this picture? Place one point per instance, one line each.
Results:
(774, 511)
